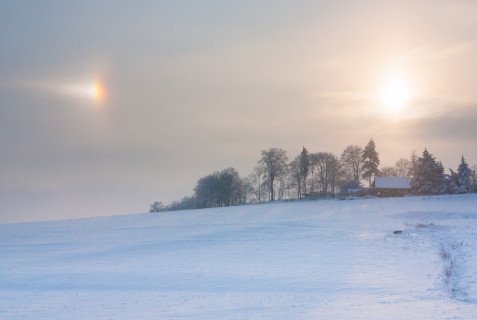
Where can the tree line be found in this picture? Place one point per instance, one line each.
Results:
(320, 174)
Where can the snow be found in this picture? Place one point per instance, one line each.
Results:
(392, 183)
(286, 260)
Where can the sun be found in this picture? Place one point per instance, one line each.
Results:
(395, 93)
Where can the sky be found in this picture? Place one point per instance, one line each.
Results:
(106, 107)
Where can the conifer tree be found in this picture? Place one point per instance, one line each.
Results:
(304, 167)
(370, 161)
(464, 177)
(474, 178)
(451, 182)
(429, 175)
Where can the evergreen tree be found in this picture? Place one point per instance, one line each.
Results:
(429, 176)
(304, 167)
(440, 179)
(474, 178)
(450, 182)
(464, 177)
(370, 161)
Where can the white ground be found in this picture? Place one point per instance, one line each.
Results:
(297, 260)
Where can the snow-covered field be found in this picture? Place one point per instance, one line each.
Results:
(295, 260)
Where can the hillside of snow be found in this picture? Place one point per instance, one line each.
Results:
(290, 260)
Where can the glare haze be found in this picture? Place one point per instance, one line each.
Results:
(108, 106)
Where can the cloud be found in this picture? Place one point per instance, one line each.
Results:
(460, 13)
(456, 124)
(331, 64)
(430, 52)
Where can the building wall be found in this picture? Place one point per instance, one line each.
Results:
(391, 192)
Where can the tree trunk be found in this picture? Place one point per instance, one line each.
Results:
(272, 196)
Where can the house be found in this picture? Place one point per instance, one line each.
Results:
(391, 186)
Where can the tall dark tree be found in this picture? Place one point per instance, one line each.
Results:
(429, 175)
(304, 167)
(275, 162)
(464, 177)
(370, 161)
(352, 160)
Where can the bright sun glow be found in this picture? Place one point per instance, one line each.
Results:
(395, 93)
(94, 90)
(98, 92)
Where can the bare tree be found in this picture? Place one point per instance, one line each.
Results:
(275, 162)
(256, 180)
(403, 168)
(336, 173)
(323, 170)
(283, 183)
(353, 161)
(388, 172)
(246, 190)
(314, 159)
(328, 168)
(295, 175)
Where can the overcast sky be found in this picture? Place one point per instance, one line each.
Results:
(191, 87)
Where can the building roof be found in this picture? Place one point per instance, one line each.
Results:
(391, 183)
